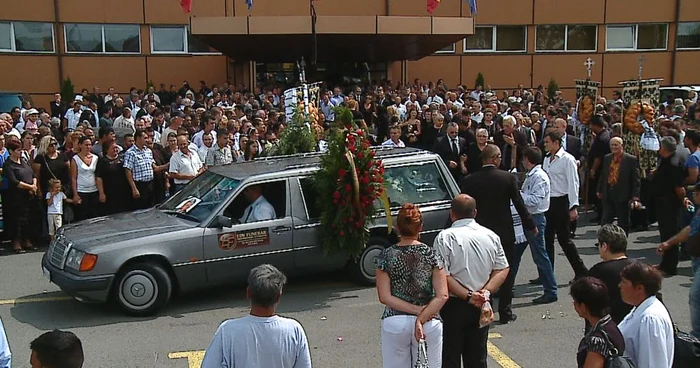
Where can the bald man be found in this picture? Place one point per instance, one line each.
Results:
(494, 189)
(618, 185)
(476, 266)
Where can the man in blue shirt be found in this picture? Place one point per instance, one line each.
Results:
(5, 354)
(259, 209)
(690, 231)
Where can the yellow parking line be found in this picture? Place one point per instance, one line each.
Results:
(498, 355)
(34, 300)
(195, 357)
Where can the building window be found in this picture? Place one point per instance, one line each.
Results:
(446, 50)
(176, 40)
(688, 35)
(107, 38)
(566, 38)
(636, 37)
(497, 39)
(26, 37)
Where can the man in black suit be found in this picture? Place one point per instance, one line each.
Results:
(618, 185)
(493, 190)
(453, 150)
(509, 139)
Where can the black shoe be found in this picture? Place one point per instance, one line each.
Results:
(536, 281)
(545, 299)
(572, 235)
(505, 320)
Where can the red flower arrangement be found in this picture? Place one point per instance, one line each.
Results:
(353, 179)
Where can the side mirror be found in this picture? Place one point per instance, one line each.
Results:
(223, 221)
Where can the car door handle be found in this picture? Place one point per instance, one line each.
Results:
(281, 229)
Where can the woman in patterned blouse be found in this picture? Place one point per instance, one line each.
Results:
(411, 283)
(592, 304)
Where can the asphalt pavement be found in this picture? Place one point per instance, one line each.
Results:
(341, 319)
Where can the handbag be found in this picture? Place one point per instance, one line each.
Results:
(422, 359)
(613, 359)
(686, 347)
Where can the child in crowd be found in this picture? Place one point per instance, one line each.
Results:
(54, 201)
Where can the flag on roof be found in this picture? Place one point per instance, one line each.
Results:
(432, 5)
(186, 6)
(249, 3)
(472, 7)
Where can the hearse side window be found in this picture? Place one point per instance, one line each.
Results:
(275, 193)
(418, 184)
(307, 188)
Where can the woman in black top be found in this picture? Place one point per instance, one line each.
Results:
(612, 245)
(432, 132)
(474, 151)
(111, 180)
(51, 164)
(21, 193)
(591, 303)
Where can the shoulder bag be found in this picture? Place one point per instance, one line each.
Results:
(613, 359)
(686, 347)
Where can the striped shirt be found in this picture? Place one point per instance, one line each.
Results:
(535, 190)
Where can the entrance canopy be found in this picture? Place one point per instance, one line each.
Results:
(338, 38)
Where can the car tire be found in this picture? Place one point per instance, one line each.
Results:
(142, 289)
(365, 268)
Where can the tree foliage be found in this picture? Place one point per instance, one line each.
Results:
(67, 90)
(479, 81)
(296, 137)
(552, 89)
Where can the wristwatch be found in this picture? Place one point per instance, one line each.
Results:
(469, 295)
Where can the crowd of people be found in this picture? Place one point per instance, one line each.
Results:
(519, 158)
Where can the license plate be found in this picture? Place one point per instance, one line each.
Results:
(46, 272)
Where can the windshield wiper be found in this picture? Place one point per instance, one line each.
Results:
(181, 215)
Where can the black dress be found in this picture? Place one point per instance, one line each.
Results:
(114, 183)
(18, 203)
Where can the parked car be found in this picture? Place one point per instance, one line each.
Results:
(677, 92)
(9, 100)
(194, 240)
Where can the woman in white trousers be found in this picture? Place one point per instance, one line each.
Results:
(411, 283)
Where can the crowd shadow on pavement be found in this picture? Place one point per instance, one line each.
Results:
(55, 310)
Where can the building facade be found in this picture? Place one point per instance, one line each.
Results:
(131, 42)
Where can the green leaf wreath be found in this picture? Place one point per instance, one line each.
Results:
(296, 137)
(352, 177)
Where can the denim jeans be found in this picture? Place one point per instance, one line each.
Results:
(539, 255)
(695, 299)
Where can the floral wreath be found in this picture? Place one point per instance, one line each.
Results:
(636, 113)
(348, 185)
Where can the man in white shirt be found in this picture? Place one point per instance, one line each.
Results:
(535, 192)
(208, 124)
(476, 266)
(72, 116)
(259, 209)
(261, 339)
(563, 206)
(185, 165)
(394, 138)
(647, 329)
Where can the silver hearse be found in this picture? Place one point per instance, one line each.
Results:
(194, 239)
